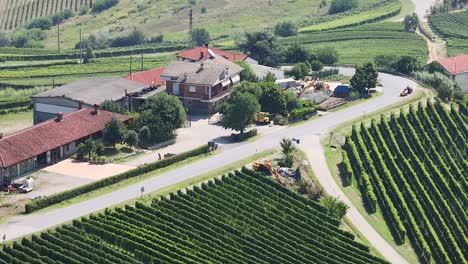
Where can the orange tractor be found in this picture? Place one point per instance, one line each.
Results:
(406, 91)
(266, 166)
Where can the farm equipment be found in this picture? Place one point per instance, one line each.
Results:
(406, 91)
(262, 117)
(266, 166)
(25, 187)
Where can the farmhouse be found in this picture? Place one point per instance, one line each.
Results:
(203, 53)
(457, 69)
(202, 86)
(86, 93)
(50, 141)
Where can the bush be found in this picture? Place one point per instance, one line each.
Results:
(300, 70)
(83, 10)
(327, 55)
(156, 39)
(27, 38)
(244, 136)
(339, 6)
(303, 113)
(101, 5)
(43, 23)
(62, 16)
(66, 195)
(285, 29)
(354, 95)
(136, 37)
(5, 40)
(316, 65)
(280, 120)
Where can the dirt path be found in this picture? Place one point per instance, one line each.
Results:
(437, 48)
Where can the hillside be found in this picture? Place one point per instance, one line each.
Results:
(243, 218)
(410, 168)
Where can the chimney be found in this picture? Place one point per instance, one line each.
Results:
(96, 109)
(227, 71)
(1, 135)
(126, 93)
(59, 117)
(80, 104)
(202, 55)
(202, 65)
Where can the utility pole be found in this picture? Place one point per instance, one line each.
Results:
(58, 37)
(142, 61)
(190, 26)
(81, 48)
(130, 64)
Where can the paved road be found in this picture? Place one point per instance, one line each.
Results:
(22, 225)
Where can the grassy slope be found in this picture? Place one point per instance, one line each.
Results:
(455, 28)
(170, 17)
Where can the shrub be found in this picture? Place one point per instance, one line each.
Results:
(156, 39)
(300, 70)
(286, 29)
(136, 37)
(339, 6)
(27, 38)
(354, 95)
(131, 138)
(5, 40)
(280, 120)
(244, 136)
(316, 65)
(327, 55)
(43, 23)
(61, 16)
(63, 196)
(83, 10)
(304, 112)
(101, 5)
(144, 136)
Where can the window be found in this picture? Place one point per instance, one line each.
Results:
(67, 147)
(192, 89)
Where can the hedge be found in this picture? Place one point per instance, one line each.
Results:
(60, 197)
(245, 136)
(303, 112)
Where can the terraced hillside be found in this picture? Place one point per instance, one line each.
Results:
(16, 12)
(243, 218)
(453, 25)
(411, 168)
(363, 43)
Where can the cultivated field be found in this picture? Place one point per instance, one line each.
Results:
(453, 25)
(363, 43)
(456, 46)
(13, 13)
(243, 218)
(410, 167)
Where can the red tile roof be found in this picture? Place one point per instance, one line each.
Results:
(51, 134)
(149, 77)
(455, 65)
(195, 54)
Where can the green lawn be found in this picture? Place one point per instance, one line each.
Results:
(13, 122)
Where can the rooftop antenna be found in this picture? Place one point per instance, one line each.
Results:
(190, 26)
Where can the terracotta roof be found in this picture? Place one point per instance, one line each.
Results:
(51, 134)
(149, 77)
(455, 65)
(195, 54)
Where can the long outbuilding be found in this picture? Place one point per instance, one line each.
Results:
(50, 141)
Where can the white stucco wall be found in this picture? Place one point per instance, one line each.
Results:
(462, 80)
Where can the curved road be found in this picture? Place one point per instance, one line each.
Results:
(22, 225)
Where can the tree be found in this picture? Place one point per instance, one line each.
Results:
(273, 98)
(285, 29)
(113, 107)
(327, 55)
(163, 114)
(316, 65)
(407, 65)
(43, 23)
(300, 70)
(136, 37)
(365, 77)
(114, 131)
(247, 74)
(262, 47)
(101, 5)
(131, 138)
(411, 22)
(5, 40)
(200, 37)
(335, 207)
(89, 56)
(287, 148)
(292, 101)
(239, 111)
(269, 77)
(296, 53)
(386, 61)
(89, 147)
(338, 6)
(144, 136)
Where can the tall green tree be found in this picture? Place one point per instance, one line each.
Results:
(239, 111)
(200, 37)
(285, 29)
(327, 55)
(300, 70)
(364, 78)
(287, 148)
(411, 22)
(270, 77)
(273, 98)
(262, 47)
(335, 207)
(297, 53)
(131, 138)
(247, 74)
(114, 132)
(163, 114)
(144, 136)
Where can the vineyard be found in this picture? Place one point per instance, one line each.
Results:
(16, 12)
(241, 218)
(412, 166)
(451, 24)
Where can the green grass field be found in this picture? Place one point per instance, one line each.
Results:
(454, 25)
(456, 46)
